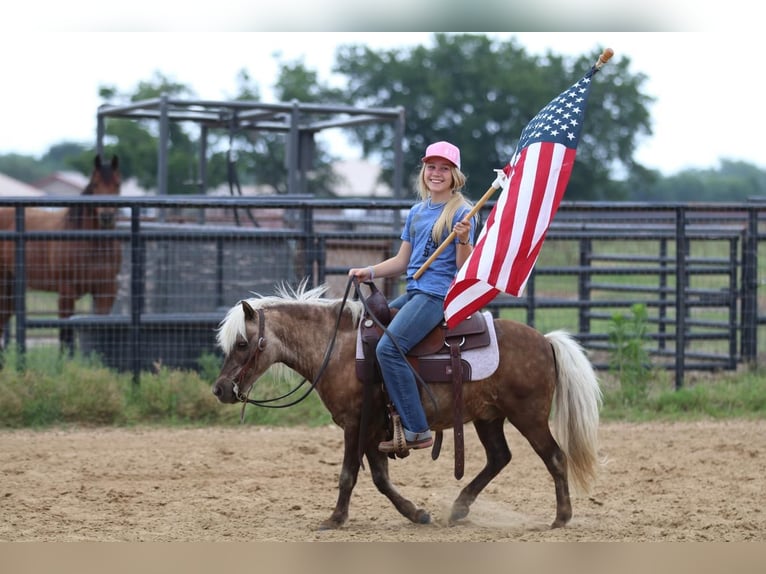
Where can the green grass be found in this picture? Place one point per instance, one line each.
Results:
(52, 391)
(729, 396)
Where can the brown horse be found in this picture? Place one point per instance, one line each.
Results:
(535, 374)
(70, 267)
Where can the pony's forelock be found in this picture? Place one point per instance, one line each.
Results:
(233, 323)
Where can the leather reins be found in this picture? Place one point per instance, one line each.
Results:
(252, 362)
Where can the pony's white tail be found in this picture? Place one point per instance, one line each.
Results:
(576, 405)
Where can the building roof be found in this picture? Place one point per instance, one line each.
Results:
(360, 178)
(10, 187)
(63, 183)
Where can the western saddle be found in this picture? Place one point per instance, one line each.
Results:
(435, 359)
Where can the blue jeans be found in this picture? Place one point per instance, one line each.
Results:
(418, 314)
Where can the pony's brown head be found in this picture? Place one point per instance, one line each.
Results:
(253, 333)
(241, 336)
(105, 180)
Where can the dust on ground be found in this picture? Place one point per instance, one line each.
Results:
(695, 481)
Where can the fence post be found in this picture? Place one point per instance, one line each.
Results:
(662, 311)
(750, 287)
(309, 245)
(531, 300)
(20, 288)
(733, 250)
(681, 283)
(137, 281)
(583, 284)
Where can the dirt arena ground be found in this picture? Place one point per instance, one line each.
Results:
(701, 482)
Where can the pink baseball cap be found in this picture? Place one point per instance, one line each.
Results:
(443, 150)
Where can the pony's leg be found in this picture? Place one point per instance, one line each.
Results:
(348, 475)
(379, 469)
(539, 435)
(378, 462)
(492, 437)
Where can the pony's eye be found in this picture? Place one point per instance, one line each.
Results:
(242, 345)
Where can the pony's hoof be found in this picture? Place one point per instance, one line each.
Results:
(422, 517)
(330, 524)
(458, 513)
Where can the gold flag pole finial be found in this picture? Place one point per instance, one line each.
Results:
(605, 56)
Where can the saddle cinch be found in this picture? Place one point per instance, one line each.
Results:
(438, 358)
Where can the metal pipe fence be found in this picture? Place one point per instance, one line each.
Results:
(186, 259)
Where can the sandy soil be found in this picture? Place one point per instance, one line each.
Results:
(663, 482)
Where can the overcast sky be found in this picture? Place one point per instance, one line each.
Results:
(705, 88)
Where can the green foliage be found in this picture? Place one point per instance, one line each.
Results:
(29, 169)
(94, 395)
(481, 93)
(284, 387)
(135, 141)
(55, 391)
(173, 396)
(733, 181)
(629, 358)
(261, 156)
(737, 395)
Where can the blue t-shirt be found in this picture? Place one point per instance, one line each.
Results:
(417, 230)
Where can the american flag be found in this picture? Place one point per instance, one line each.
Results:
(510, 242)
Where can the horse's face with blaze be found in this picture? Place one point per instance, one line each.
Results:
(242, 338)
(105, 180)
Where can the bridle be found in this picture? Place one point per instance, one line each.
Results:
(252, 363)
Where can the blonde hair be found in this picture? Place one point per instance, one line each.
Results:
(443, 225)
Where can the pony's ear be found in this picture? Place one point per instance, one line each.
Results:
(97, 161)
(115, 162)
(248, 310)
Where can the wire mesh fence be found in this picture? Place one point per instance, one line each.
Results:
(693, 268)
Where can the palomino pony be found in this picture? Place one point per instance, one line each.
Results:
(70, 267)
(536, 373)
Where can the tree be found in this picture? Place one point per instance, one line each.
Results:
(480, 93)
(136, 141)
(733, 181)
(237, 156)
(59, 157)
(22, 167)
(263, 155)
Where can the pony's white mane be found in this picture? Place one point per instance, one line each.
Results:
(233, 323)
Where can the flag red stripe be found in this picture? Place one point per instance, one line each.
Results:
(510, 242)
(524, 267)
(535, 192)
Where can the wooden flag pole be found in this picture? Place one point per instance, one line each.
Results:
(497, 184)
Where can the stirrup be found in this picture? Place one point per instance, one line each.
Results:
(400, 443)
